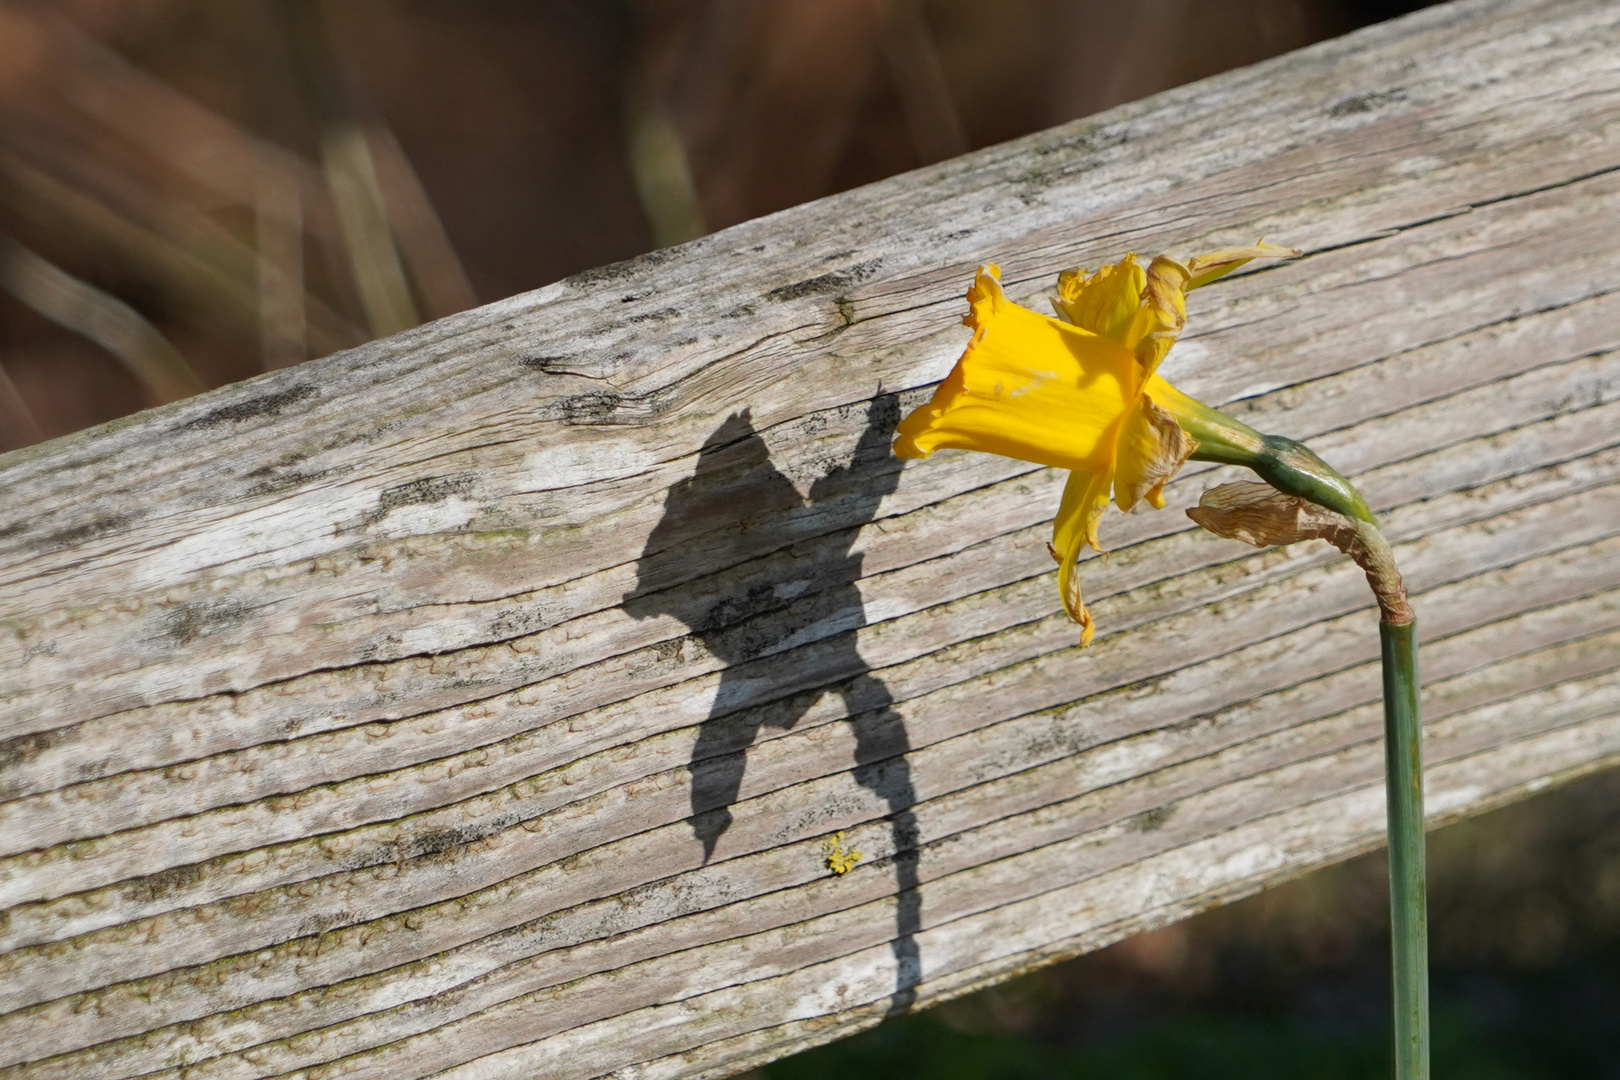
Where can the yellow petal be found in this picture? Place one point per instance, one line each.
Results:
(1105, 303)
(1152, 449)
(1028, 387)
(1171, 400)
(1085, 497)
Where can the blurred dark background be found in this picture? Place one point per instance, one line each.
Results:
(192, 192)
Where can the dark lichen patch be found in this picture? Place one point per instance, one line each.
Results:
(826, 283)
(426, 491)
(98, 526)
(286, 461)
(1371, 101)
(551, 365)
(263, 405)
(20, 749)
(188, 622)
(1083, 139)
(618, 271)
(85, 769)
(155, 887)
(1083, 152)
(275, 485)
(603, 275)
(438, 841)
(1150, 820)
(606, 407)
(593, 408)
(846, 310)
(661, 315)
(517, 622)
(1039, 180)
(1057, 740)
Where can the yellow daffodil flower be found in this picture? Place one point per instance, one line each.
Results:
(1080, 392)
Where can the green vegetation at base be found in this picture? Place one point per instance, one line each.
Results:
(1294, 981)
(1467, 1046)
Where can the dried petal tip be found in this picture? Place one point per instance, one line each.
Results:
(1261, 515)
(1217, 264)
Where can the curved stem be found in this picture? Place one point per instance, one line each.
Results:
(1250, 512)
(1286, 464)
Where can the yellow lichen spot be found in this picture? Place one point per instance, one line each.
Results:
(840, 860)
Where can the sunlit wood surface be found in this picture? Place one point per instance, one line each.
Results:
(484, 701)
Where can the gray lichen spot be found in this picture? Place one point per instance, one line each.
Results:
(100, 525)
(1150, 820)
(263, 405)
(155, 887)
(188, 622)
(826, 283)
(427, 490)
(20, 749)
(1371, 101)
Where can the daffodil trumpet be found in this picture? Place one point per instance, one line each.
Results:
(1081, 391)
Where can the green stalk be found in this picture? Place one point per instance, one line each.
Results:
(1293, 469)
(1289, 466)
(1409, 920)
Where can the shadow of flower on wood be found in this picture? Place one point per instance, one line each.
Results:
(766, 580)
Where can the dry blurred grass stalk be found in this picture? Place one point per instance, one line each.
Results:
(171, 155)
(919, 78)
(279, 223)
(104, 319)
(351, 177)
(441, 281)
(153, 226)
(15, 415)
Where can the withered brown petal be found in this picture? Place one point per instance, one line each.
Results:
(1261, 515)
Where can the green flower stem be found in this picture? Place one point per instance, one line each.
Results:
(1295, 470)
(1290, 467)
(1409, 920)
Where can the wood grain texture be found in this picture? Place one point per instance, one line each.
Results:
(477, 702)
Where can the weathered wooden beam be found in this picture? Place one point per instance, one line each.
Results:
(479, 701)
